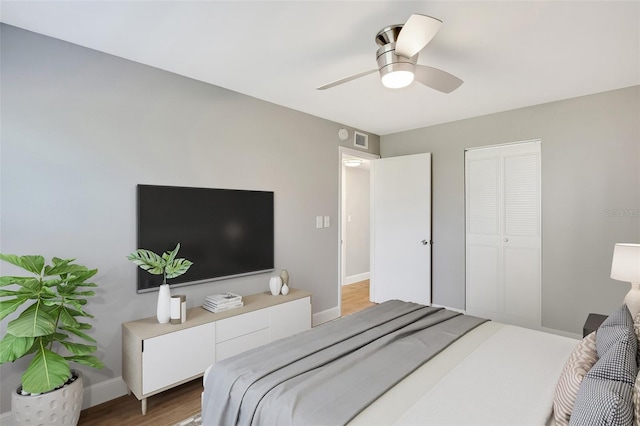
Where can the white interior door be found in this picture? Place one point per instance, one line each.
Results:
(401, 229)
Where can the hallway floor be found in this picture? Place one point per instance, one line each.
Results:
(355, 297)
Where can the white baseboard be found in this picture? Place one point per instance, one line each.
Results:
(325, 316)
(352, 279)
(6, 419)
(561, 333)
(462, 311)
(103, 392)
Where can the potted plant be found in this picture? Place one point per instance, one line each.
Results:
(55, 296)
(166, 265)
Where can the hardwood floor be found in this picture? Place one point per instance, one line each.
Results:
(355, 297)
(172, 406)
(164, 409)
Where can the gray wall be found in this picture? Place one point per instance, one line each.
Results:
(590, 197)
(357, 230)
(80, 129)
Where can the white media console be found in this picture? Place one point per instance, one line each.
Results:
(157, 357)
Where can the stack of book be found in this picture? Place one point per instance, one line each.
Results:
(222, 302)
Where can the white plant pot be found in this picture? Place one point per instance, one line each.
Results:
(58, 407)
(163, 312)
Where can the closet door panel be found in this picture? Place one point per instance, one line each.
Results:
(483, 274)
(483, 227)
(521, 195)
(522, 285)
(482, 196)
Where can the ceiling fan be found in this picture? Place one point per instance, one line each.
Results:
(397, 57)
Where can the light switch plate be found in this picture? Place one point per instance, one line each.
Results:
(318, 222)
(327, 221)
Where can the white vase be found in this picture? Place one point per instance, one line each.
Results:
(285, 290)
(163, 312)
(275, 284)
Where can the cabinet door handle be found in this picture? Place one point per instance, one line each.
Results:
(506, 240)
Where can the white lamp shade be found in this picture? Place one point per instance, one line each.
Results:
(626, 263)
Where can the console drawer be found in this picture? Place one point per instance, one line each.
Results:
(240, 344)
(231, 328)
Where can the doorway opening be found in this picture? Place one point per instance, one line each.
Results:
(354, 230)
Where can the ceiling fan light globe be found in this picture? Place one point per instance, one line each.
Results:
(397, 79)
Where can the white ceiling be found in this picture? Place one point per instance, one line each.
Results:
(510, 54)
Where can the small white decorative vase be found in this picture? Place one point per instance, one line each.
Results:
(163, 312)
(275, 285)
(285, 290)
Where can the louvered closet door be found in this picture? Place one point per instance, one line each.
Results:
(504, 233)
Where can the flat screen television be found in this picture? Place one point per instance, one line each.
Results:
(224, 232)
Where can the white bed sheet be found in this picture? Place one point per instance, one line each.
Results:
(496, 375)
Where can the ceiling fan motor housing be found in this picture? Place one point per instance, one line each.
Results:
(388, 61)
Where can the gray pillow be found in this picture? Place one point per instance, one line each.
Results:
(603, 402)
(619, 362)
(613, 329)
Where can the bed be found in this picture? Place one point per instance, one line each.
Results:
(406, 364)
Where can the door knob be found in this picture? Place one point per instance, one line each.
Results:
(506, 240)
(424, 242)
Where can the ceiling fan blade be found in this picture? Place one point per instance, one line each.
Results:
(437, 79)
(345, 80)
(415, 34)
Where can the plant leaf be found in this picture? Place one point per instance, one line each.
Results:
(87, 293)
(86, 285)
(21, 292)
(148, 260)
(33, 322)
(89, 360)
(12, 347)
(66, 317)
(169, 256)
(31, 263)
(30, 283)
(9, 306)
(61, 266)
(178, 267)
(79, 348)
(81, 276)
(47, 371)
(78, 304)
(80, 334)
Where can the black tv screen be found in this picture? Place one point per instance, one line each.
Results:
(224, 232)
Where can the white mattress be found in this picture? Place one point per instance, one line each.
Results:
(496, 375)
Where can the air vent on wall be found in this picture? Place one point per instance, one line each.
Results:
(360, 140)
